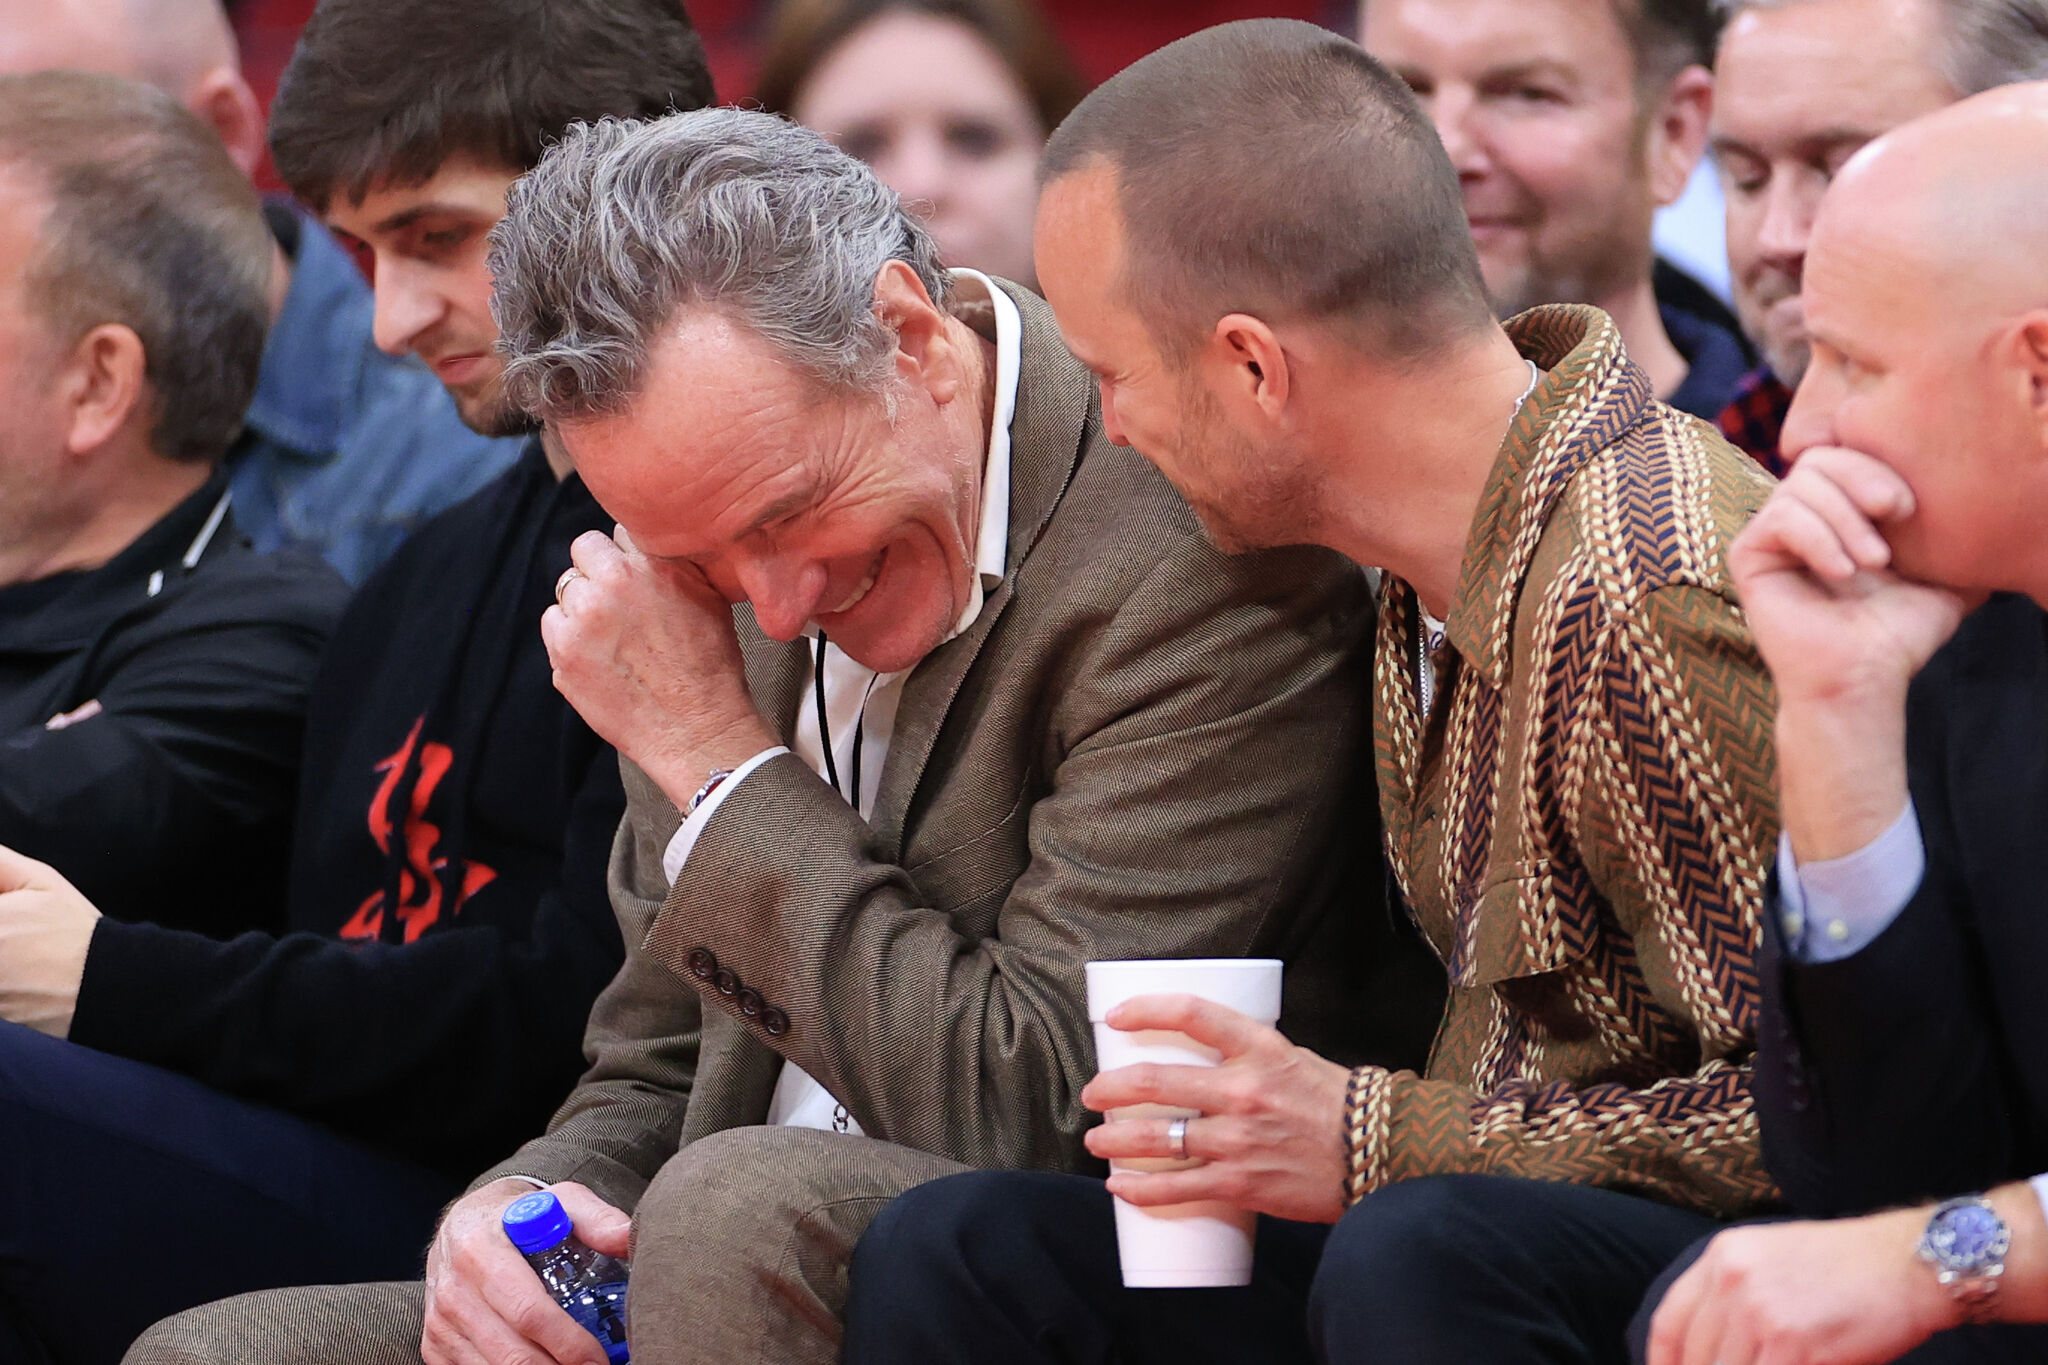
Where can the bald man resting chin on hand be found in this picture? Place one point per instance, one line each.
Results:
(1896, 583)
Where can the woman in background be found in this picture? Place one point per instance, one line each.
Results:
(950, 102)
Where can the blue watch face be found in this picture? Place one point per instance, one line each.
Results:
(1967, 1236)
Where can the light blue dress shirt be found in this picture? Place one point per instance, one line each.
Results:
(346, 449)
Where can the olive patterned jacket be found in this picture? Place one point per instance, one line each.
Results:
(1583, 825)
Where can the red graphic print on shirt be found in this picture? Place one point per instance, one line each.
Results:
(420, 895)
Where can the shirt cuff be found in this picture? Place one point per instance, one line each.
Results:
(678, 851)
(1834, 909)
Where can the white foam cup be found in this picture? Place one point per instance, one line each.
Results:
(1178, 1246)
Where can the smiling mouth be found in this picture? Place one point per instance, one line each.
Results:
(866, 585)
(455, 366)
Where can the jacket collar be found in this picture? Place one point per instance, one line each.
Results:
(69, 610)
(1591, 394)
(313, 361)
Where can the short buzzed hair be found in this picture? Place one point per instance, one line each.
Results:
(152, 227)
(1271, 167)
(390, 90)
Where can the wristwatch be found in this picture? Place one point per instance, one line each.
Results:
(1966, 1242)
(718, 775)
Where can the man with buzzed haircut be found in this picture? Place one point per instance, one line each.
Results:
(1898, 585)
(1276, 290)
(348, 444)
(1800, 85)
(1570, 123)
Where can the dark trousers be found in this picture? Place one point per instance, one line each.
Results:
(128, 1193)
(1007, 1268)
(1994, 1345)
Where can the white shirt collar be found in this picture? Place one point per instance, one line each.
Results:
(992, 535)
(992, 540)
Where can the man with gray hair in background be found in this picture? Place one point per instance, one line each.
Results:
(345, 448)
(1800, 85)
(155, 674)
(931, 692)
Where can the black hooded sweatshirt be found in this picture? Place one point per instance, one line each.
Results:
(449, 925)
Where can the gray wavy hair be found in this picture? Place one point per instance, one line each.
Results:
(625, 221)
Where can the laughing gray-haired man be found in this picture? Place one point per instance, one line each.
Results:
(932, 693)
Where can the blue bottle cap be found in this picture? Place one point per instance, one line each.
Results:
(536, 1222)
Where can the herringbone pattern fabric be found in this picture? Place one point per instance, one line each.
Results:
(1583, 828)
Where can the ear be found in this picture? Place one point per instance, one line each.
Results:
(1247, 370)
(927, 356)
(1676, 132)
(102, 387)
(2030, 353)
(229, 106)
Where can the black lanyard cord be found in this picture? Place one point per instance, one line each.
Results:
(825, 730)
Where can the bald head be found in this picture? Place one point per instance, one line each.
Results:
(184, 48)
(1926, 297)
(1957, 200)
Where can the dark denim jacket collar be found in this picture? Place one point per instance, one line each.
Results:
(311, 371)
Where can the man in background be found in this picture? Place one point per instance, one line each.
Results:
(345, 449)
(1800, 86)
(154, 672)
(1570, 123)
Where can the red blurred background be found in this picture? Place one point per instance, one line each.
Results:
(1104, 35)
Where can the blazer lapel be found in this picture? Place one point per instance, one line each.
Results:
(776, 673)
(1047, 434)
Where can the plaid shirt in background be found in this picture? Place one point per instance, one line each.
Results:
(1755, 418)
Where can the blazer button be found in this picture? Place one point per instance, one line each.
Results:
(728, 984)
(702, 962)
(774, 1022)
(750, 1002)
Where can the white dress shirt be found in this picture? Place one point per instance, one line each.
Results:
(862, 703)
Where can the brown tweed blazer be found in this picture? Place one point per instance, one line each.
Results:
(1584, 825)
(1141, 748)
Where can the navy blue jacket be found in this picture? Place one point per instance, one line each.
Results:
(1917, 1068)
(172, 799)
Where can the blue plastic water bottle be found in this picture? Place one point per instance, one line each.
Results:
(590, 1286)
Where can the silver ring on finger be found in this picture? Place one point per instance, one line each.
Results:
(569, 575)
(1177, 1138)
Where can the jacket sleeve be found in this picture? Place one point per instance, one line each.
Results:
(1181, 818)
(645, 1034)
(1675, 818)
(1880, 1076)
(188, 772)
(442, 1049)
